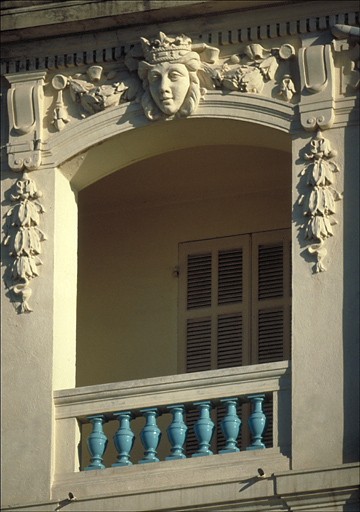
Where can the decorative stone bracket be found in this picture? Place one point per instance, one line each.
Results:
(347, 45)
(317, 87)
(25, 108)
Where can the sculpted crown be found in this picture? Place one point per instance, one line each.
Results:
(165, 48)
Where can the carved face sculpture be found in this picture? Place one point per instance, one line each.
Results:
(169, 84)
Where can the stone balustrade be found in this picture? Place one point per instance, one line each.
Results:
(150, 435)
(174, 396)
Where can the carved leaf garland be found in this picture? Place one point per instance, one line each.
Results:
(94, 92)
(319, 202)
(250, 71)
(23, 237)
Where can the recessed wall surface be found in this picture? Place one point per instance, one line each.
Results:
(130, 225)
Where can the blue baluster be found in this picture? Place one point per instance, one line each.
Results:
(230, 425)
(96, 442)
(123, 439)
(204, 429)
(150, 435)
(176, 432)
(257, 422)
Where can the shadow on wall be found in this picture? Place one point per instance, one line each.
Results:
(351, 448)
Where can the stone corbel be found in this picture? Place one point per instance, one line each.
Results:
(317, 87)
(346, 43)
(25, 108)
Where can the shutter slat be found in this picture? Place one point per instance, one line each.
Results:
(270, 335)
(270, 271)
(230, 276)
(229, 346)
(191, 444)
(268, 435)
(199, 281)
(198, 345)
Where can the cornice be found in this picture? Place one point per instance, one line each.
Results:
(113, 45)
(63, 17)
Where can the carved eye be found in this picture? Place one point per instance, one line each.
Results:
(154, 77)
(175, 75)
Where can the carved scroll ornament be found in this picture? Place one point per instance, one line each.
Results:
(169, 76)
(319, 201)
(23, 237)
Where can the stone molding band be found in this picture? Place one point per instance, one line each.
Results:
(221, 38)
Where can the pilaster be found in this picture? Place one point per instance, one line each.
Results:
(317, 326)
(38, 347)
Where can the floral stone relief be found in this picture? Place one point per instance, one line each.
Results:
(23, 237)
(319, 201)
(169, 76)
(93, 92)
(248, 72)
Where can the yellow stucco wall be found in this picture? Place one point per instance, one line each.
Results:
(130, 225)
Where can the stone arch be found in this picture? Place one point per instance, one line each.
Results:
(220, 119)
(89, 149)
(104, 162)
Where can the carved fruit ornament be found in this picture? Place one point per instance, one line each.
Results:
(319, 201)
(23, 237)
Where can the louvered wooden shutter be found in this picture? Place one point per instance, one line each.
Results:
(213, 303)
(271, 296)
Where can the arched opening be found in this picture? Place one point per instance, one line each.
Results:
(131, 223)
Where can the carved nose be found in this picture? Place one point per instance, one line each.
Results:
(164, 85)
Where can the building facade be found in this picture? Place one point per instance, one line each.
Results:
(180, 255)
